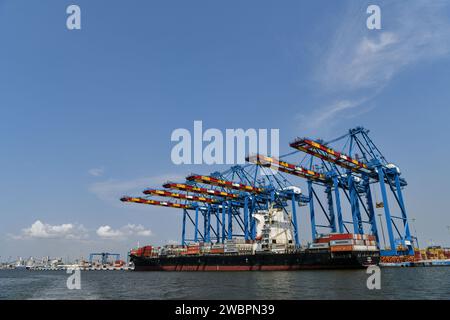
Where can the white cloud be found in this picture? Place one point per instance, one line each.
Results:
(70, 231)
(112, 190)
(130, 230)
(108, 232)
(96, 172)
(361, 62)
(328, 113)
(46, 231)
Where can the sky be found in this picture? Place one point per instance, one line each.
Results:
(86, 115)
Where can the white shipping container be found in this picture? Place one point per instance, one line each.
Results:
(360, 248)
(372, 248)
(319, 245)
(348, 242)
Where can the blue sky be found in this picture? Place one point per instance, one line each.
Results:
(86, 115)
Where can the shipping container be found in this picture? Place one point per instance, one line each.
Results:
(341, 236)
(217, 251)
(341, 242)
(319, 246)
(341, 248)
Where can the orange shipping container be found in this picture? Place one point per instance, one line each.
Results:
(341, 248)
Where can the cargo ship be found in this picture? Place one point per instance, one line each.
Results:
(272, 249)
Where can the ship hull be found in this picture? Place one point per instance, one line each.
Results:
(258, 262)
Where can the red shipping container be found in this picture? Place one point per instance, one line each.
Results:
(341, 236)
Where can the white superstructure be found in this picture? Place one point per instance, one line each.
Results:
(273, 230)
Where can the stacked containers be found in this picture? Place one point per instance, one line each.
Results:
(447, 253)
(436, 253)
(417, 255)
(371, 243)
(320, 245)
(340, 244)
(193, 249)
(423, 254)
(140, 251)
(147, 251)
(205, 248)
(217, 248)
(156, 251)
(349, 242)
(178, 250)
(230, 246)
(172, 250)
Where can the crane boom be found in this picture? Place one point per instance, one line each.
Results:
(164, 193)
(325, 153)
(224, 183)
(286, 167)
(156, 203)
(189, 188)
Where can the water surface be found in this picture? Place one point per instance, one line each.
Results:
(396, 283)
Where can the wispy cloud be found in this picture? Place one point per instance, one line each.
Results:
(130, 230)
(361, 62)
(111, 190)
(40, 230)
(331, 113)
(96, 172)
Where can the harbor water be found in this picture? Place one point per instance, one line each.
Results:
(396, 283)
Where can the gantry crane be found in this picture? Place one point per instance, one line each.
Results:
(231, 203)
(231, 197)
(105, 256)
(355, 175)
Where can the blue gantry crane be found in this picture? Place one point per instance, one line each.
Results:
(353, 173)
(220, 206)
(104, 257)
